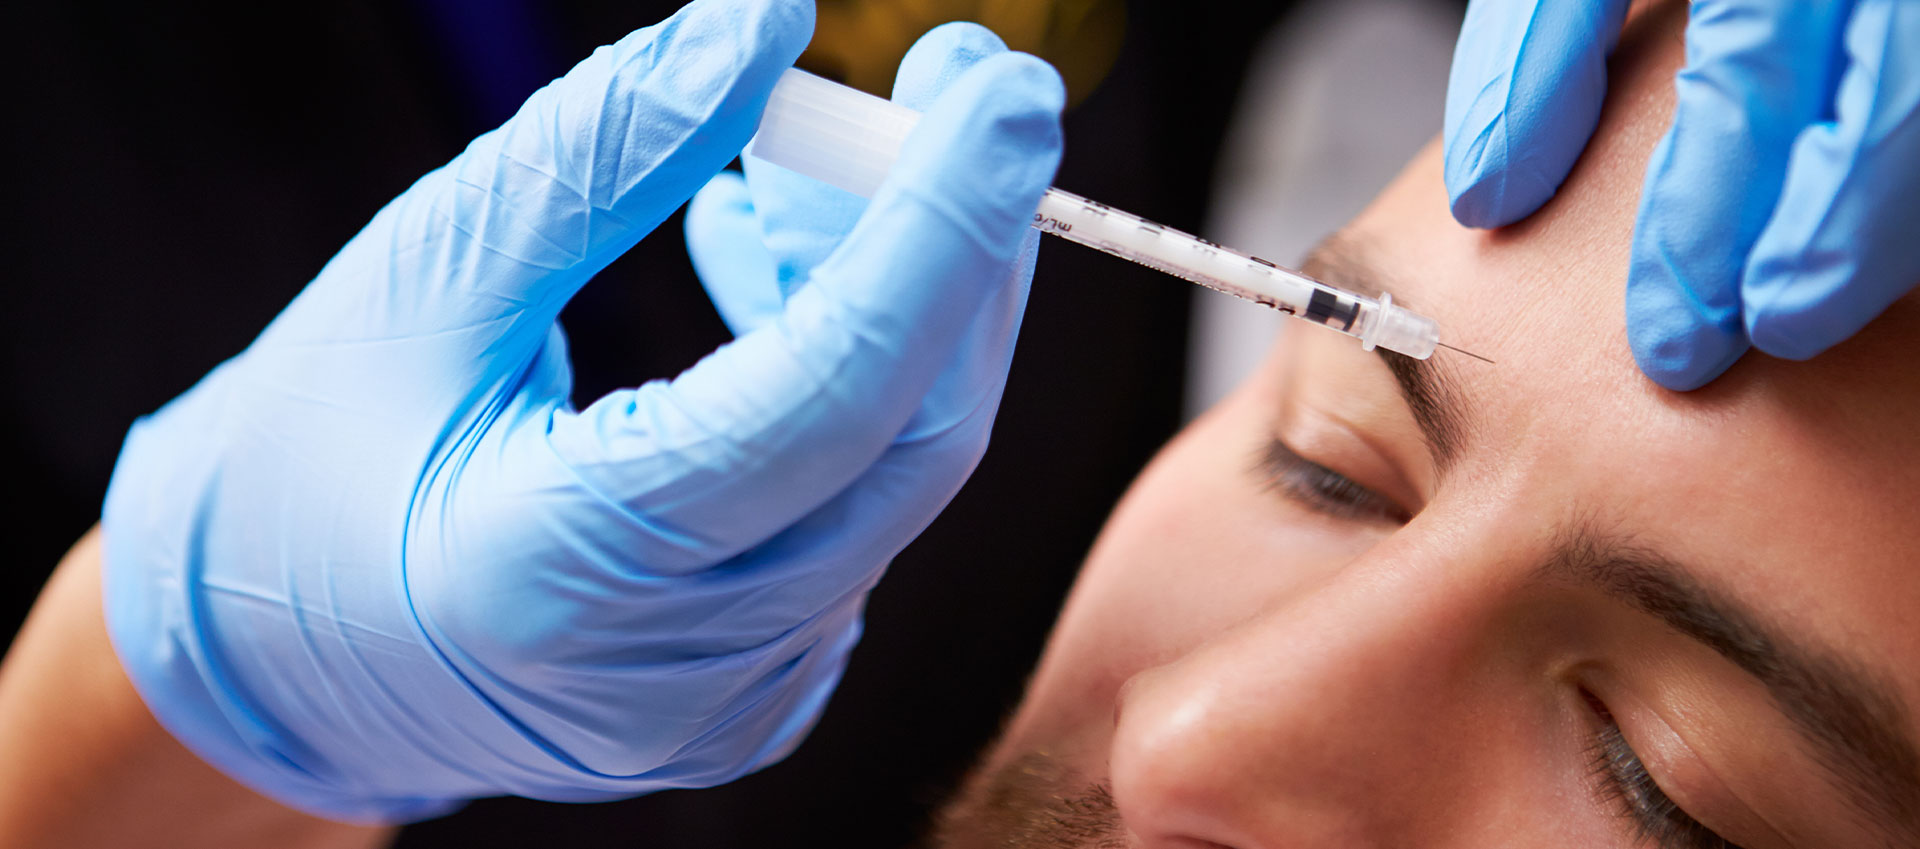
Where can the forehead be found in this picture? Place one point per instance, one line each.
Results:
(1790, 484)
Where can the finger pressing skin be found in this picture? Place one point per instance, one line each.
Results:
(1755, 76)
(1839, 247)
(1523, 96)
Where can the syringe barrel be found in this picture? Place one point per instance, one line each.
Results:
(1385, 325)
(847, 138)
(836, 134)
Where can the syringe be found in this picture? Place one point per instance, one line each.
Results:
(848, 138)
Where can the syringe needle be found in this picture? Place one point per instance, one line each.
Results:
(1468, 353)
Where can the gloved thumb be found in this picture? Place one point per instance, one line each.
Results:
(505, 233)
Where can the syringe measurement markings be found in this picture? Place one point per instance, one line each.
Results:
(1233, 263)
(1214, 283)
(1158, 229)
(1051, 225)
(1065, 229)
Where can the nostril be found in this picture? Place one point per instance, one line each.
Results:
(1182, 773)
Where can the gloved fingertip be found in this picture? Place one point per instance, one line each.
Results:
(788, 23)
(1672, 343)
(725, 194)
(723, 242)
(719, 215)
(762, 38)
(1523, 96)
(1479, 202)
(993, 138)
(1797, 306)
(939, 57)
(801, 219)
(1047, 78)
(954, 211)
(1682, 361)
(1010, 103)
(1466, 167)
(1026, 76)
(627, 135)
(1486, 191)
(1778, 339)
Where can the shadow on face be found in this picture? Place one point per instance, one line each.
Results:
(1373, 602)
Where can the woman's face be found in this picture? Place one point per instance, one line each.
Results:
(1542, 602)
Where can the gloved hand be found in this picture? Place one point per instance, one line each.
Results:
(1779, 209)
(375, 564)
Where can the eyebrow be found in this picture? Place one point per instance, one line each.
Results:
(1430, 392)
(1852, 718)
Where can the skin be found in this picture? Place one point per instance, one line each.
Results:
(1238, 668)
(87, 765)
(1240, 665)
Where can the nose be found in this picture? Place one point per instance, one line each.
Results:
(1331, 720)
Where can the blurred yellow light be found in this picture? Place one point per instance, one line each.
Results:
(860, 42)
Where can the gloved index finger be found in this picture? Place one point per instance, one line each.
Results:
(803, 219)
(590, 164)
(735, 267)
(1523, 96)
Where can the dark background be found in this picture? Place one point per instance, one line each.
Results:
(178, 171)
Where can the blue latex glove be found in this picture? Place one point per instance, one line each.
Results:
(1779, 210)
(375, 564)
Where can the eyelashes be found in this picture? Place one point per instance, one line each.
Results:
(1322, 489)
(1620, 778)
(1623, 780)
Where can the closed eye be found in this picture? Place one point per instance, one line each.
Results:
(1323, 490)
(1623, 779)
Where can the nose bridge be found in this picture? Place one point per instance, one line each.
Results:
(1319, 722)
